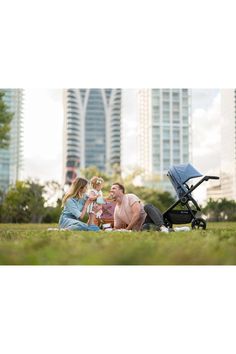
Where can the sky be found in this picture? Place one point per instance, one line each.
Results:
(43, 129)
(43, 132)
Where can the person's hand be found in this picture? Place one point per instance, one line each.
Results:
(90, 200)
(97, 208)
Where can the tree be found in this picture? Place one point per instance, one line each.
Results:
(23, 203)
(220, 210)
(5, 123)
(212, 210)
(228, 210)
(52, 192)
(52, 213)
(1, 201)
(36, 201)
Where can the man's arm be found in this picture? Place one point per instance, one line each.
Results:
(136, 212)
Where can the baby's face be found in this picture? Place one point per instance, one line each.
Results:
(99, 186)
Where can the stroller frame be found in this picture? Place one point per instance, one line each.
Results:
(188, 215)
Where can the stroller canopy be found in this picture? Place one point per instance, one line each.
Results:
(180, 174)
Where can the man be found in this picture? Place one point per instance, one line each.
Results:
(131, 214)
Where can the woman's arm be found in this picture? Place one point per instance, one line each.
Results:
(86, 204)
(77, 209)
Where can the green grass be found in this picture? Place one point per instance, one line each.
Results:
(32, 244)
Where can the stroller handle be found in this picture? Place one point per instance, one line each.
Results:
(211, 177)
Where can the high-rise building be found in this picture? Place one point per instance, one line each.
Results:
(228, 143)
(11, 157)
(164, 131)
(226, 187)
(92, 129)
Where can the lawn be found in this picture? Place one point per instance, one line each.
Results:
(32, 244)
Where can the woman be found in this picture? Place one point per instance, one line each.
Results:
(75, 203)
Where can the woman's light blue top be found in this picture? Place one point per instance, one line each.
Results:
(70, 215)
(73, 207)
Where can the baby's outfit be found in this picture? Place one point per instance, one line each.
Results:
(99, 201)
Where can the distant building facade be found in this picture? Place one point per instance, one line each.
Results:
(92, 130)
(11, 158)
(226, 187)
(164, 131)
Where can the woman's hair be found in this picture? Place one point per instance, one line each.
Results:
(75, 190)
(96, 181)
(120, 186)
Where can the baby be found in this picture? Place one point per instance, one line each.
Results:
(96, 195)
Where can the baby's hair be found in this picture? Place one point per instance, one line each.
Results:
(96, 181)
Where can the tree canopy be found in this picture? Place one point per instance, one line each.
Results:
(220, 210)
(23, 203)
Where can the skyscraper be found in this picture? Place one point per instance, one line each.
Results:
(226, 187)
(228, 143)
(91, 130)
(164, 130)
(11, 157)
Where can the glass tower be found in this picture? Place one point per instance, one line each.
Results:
(11, 157)
(164, 124)
(91, 130)
(226, 187)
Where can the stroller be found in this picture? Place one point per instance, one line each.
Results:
(179, 175)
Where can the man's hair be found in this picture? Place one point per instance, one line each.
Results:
(120, 186)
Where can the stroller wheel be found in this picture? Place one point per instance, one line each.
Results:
(199, 223)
